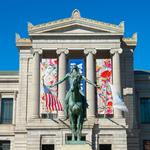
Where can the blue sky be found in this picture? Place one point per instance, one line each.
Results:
(14, 15)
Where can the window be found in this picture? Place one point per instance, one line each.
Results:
(4, 145)
(6, 110)
(145, 110)
(48, 147)
(146, 145)
(105, 146)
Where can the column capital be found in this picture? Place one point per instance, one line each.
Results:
(113, 51)
(39, 51)
(90, 50)
(62, 50)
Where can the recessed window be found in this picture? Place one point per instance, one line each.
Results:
(105, 146)
(48, 147)
(4, 145)
(145, 110)
(6, 110)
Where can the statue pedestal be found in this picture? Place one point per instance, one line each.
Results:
(76, 147)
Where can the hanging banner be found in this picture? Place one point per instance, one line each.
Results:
(49, 100)
(104, 93)
(81, 66)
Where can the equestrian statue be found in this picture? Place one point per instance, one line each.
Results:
(75, 103)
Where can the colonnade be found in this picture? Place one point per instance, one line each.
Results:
(90, 69)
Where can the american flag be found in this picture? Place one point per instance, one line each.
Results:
(52, 102)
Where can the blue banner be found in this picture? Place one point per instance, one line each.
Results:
(81, 65)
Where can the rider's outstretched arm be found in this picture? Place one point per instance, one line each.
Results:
(90, 82)
(60, 81)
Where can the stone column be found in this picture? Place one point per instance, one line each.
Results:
(90, 75)
(61, 74)
(36, 83)
(116, 76)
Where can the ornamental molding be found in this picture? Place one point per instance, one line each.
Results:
(127, 91)
(75, 20)
(90, 50)
(76, 14)
(62, 50)
(39, 51)
(119, 51)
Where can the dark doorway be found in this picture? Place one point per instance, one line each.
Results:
(105, 147)
(48, 147)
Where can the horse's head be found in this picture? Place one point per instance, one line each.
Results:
(76, 83)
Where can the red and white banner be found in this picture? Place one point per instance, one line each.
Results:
(49, 99)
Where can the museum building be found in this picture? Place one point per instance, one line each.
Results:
(32, 114)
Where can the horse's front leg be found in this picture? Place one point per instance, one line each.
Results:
(79, 126)
(72, 127)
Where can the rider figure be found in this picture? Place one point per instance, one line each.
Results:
(74, 73)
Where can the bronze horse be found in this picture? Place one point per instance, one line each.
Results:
(76, 109)
(75, 103)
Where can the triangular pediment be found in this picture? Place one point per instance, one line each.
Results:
(75, 28)
(75, 25)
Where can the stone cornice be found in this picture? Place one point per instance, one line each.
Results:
(131, 41)
(9, 91)
(9, 73)
(76, 19)
(142, 75)
(23, 41)
(9, 78)
(76, 34)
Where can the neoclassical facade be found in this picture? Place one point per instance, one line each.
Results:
(33, 125)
